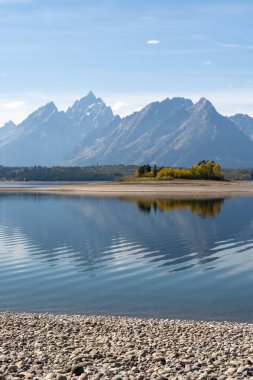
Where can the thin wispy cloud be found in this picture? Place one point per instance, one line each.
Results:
(118, 106)
(14, 105)
(234, 46)
(153, 42)
(11, 109)
(207, 63)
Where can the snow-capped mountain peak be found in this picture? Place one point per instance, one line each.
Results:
(173, 132)
(89, 112)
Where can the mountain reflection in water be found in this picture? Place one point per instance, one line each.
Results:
(132, 256)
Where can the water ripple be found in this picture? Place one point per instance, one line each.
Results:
(109, 255)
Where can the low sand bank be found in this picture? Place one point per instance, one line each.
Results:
(176, 189)
(43, 346)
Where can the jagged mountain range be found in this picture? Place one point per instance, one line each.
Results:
(174, 132)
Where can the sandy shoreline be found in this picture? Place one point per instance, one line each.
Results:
(44, 346)
(171, 189)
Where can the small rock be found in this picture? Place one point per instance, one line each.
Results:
(84, 376)
(77, 370)
(61, 377)
(50, 376)
(230, 371)
(12, 368)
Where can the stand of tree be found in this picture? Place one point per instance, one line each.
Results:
(60, 173)
(208, 170)
(110, 173)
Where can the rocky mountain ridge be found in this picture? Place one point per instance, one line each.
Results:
(174, 132)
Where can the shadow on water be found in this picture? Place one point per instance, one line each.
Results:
(180, 258)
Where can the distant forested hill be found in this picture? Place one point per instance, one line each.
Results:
(60, 173)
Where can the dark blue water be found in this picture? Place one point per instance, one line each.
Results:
(180, 259)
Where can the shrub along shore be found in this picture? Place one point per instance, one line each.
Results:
(207, 170)
(44, 346)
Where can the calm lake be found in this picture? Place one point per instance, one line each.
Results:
(127, 256)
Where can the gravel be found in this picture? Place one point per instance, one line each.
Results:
(62, 347)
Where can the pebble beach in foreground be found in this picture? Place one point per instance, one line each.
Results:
(43, 346)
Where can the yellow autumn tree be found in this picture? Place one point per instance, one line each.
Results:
(203, 170)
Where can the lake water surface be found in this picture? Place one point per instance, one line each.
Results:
(31, 184)
(153, 257)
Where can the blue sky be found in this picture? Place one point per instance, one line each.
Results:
(129, 52)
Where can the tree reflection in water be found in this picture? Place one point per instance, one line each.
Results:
(205, 208)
